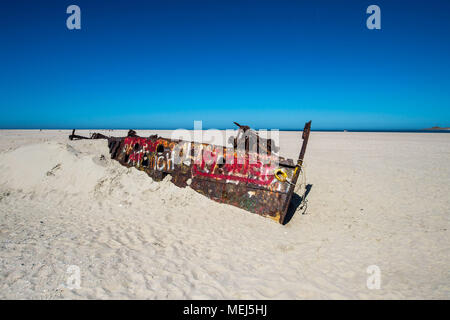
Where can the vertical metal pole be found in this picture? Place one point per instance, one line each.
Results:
(305, 137)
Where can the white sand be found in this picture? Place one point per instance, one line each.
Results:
(376, 199)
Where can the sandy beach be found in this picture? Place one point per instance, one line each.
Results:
(375, 199)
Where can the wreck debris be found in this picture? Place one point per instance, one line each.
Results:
(250, 176)
(73, 136)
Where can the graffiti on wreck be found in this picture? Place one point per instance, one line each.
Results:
(143, 152)
(228, 168)
(252, 177)
(215, 163)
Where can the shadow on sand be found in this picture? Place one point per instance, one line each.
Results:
(296, 201)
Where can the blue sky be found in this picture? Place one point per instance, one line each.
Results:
(268, 64)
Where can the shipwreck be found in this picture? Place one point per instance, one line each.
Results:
(249, 174)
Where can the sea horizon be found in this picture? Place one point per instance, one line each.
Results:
(299, 129)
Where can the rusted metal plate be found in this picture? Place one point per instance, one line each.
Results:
(249, 175)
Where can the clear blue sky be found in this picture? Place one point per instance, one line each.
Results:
(268, 64)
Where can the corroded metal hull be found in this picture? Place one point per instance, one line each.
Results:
(254, 179)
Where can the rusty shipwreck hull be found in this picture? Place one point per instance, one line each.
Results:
(248, 175)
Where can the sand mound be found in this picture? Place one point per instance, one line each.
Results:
(51, 167)
(63, 172)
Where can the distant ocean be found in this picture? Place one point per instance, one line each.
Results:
(390, 130)
(297, 129)
(300, 129)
